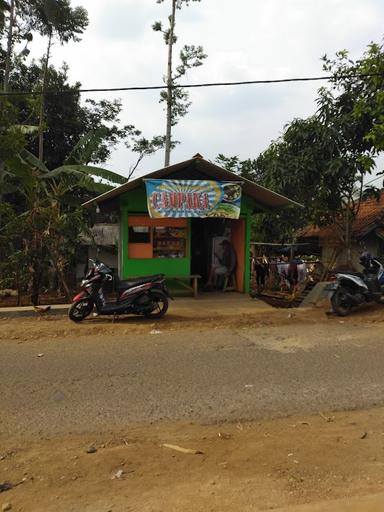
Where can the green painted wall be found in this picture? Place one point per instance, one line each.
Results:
(135, 202)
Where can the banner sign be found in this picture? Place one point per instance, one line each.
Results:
(193, 198)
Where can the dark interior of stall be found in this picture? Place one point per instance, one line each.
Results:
(203, 231)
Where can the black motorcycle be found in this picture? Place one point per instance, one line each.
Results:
(352, 289)
(145, 296)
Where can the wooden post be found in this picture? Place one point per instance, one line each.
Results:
(195, 287)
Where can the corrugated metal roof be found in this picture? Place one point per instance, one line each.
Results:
(196, 168)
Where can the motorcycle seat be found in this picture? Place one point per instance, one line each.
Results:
(356, 274)
(136, 281)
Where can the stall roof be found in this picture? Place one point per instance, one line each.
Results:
(198, 168)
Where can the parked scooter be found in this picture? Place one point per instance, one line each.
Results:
(146, 296)
(352, 289)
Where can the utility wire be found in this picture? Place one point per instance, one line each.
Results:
(372, 181)
(194, 86)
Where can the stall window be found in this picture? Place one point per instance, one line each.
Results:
(169, 242)
(157, 238)
(139, 234)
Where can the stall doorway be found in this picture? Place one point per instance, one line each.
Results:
(205, 233)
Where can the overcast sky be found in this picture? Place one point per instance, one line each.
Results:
(244, 40)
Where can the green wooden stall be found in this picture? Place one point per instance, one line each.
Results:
(131, 201)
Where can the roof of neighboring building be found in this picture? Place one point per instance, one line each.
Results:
(198, 168)
(369, 217)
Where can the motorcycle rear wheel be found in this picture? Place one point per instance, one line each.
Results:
(80, 310)
(338, 301)
(160, 302)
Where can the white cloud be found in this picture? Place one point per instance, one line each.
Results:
(246, 40)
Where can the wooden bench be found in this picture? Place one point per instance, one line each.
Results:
(181, 280)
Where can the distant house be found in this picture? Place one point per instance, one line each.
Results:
(367, 234)
(103, 247)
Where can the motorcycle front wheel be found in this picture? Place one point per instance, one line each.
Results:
(80, 310)
(340, 303)
(159, 304)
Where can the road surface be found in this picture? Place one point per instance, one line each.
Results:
(55, 386)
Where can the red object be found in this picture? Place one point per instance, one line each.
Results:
(79, 296)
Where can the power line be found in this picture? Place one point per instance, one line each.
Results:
(194, 86)
(372, 181)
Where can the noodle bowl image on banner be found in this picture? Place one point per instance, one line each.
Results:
(193, 198)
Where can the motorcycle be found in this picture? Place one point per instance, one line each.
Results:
(352, 289)
(145, 296)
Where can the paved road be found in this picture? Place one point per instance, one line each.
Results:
(110, 383)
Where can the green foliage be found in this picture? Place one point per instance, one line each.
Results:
(356, 102)
(92, 128)
(322, 162)
(245, 168)
(144, 147)
(51, 223)
(56, 17)
(190, 57)
(11, 136)
(4, 8)
(360, 96)
(82, 173)
(41, 220)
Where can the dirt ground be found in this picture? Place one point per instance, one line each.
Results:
(242, 466)
(60, 327)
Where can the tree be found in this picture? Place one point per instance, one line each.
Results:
(293, 166)
(10, 41)
(175, 97)
(13, 262)
(353, 109)
(245, 168)
(12, 140)
(16, 25)
(359, 88)
(68, 121)
(63, 123)
(143, 147)
(51, 222)
(322, 162)
(54, 19)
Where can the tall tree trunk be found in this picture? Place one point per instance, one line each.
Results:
(33, 249)
(168, 132)
(8, 59)
(42, 100)
(35, 282)
(8, 56)
(64, 284)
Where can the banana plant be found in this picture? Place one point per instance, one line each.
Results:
(50, 228)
